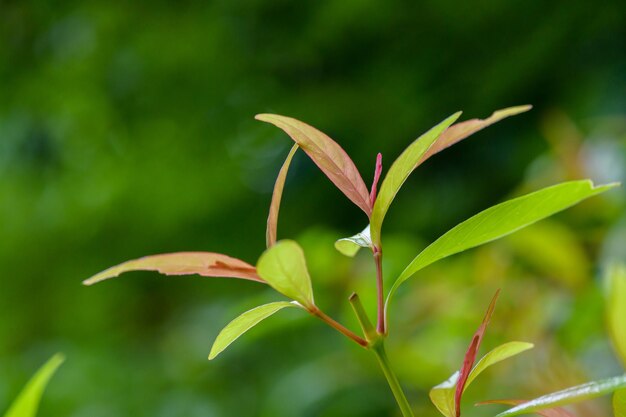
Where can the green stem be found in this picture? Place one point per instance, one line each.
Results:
(364, 321)
(392, 380)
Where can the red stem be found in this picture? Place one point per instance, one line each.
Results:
(338, 326)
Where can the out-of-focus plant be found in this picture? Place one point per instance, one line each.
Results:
(27, 402)
(283, 265)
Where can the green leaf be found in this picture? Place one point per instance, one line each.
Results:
(619, 403)
(243, 323)
(283, 267)
(442, 396)
(27, 402)
(568, 396)
(400, 171)
(496, 355)
(206, 264)
(272, 218)
(462, 130)
(349, 246)
(501, 220)
(550, 412)
(327, 155)
(616, 310)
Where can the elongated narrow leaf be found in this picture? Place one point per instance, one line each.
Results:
(207, 264)
(349, 246)
(619, 403)
(496, 355)
(400, 171)
(470, 355)
(327, 155)
(377, 172)
(442, 396)
(283, 267)
(27, 402)
(459, 131)
(243, 323)
(616, 310)
(551, 412)
(501, 220)
(568, 396)
(272, 218)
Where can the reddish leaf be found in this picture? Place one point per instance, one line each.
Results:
(552, 412)
(377, 172)
(207, 264)
(460, 131)
(272, 218)
(327, 155)
(470, 355)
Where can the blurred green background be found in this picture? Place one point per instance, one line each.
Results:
(126, 129)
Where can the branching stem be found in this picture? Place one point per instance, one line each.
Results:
(338, 326)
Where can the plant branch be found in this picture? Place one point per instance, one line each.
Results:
(392, 380)
(378, 259)
(338, 326)
(368, 329)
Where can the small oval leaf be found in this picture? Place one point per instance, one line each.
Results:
(501, 220)
(272, 218)
(207, 264)
(442, 396)
(27, 402)
(400, 171)
(327, 155)
(283, 267)
(568, 396)
(349, 246)
(496, 355)
(243, 323)
(616, 310)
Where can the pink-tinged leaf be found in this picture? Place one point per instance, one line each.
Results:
(207, 264)
(552, 412)
(377, 172)
(272, 218)
(470, 355)
(327, 155)
(462, 130)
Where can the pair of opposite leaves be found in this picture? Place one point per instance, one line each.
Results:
(283, 265)
(447, 395)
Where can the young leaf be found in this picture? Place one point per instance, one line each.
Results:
(442, 396)
(551, 412)
(283, 267)
(27, 402)
(243, 323)
(377, 172)
(462, 130)
(568, 396)
(207, 264)
(272, 218)
(616, 310)
(349, 246)
(619, 403)
(501, 220)
(496, 355)
(400, 171)
(327, 155)
(470, 355)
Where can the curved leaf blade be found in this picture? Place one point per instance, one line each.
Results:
(619, 403)
(616, 309)
(283, 267)
(327, 155)
(442, 396)
(496, 355)
(277, 194)
(349, 246)
(459, 131)
(568, 396)
(27, 402)
(206, 264)
(243, 323)
(501, 220)
(551, 412)
(400, 171)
